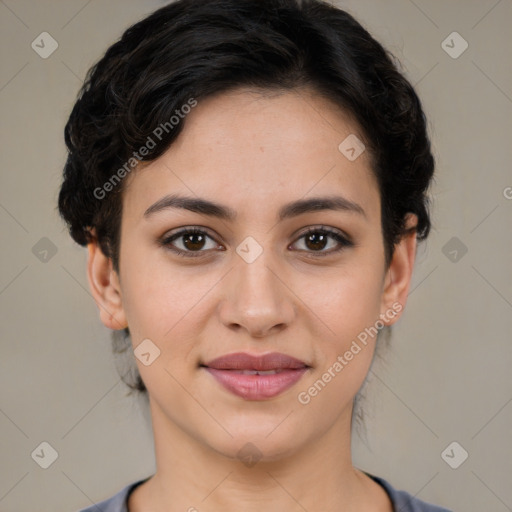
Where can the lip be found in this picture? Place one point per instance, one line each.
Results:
(228, 371)
(262, 362)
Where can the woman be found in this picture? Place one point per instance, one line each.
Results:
(250, 179)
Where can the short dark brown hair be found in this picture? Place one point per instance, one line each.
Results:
(191, 49)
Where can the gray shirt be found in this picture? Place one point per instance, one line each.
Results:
(402, 501)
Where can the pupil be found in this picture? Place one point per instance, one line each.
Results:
(191, 236)
(312, 237)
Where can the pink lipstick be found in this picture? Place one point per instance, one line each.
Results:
(256, 377)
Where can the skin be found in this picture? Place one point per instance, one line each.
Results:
(253, 153)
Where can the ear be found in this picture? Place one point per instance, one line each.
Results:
(105, 287)
(398, 276)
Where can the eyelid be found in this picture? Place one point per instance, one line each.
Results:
(328, 229)
(167, 238)
(338, 235)
(344, 241)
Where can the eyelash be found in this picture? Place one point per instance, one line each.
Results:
(166, 241)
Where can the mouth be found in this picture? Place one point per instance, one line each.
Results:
(256, 377)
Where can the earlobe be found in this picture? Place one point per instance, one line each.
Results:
(105, 288)
(398, 276)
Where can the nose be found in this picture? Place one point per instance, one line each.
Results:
(257, 299)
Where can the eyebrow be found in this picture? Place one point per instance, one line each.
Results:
(293, 209)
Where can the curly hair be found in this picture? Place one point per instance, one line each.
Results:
(196, 48)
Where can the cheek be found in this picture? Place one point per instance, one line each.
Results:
(349, 308)
(167, 306)
(145, 298)
(347, 303)
(343, 357)
(155, 296)
(164, 311)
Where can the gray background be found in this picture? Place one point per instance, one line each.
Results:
(447, 375)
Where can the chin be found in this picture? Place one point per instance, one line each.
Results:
(257, 445)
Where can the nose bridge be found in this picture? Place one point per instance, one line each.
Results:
(257, 301)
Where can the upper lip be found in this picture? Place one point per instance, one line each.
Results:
(262, 362)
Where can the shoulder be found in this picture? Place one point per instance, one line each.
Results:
(405, 502)
(116, 503)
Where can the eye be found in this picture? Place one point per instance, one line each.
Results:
(317, 238)
(192, 241)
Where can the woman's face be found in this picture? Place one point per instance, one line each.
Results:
(257, 283)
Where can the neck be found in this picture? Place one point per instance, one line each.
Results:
(191, 476)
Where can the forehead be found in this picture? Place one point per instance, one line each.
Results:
(254, 150)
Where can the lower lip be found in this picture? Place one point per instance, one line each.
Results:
(257, 387)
